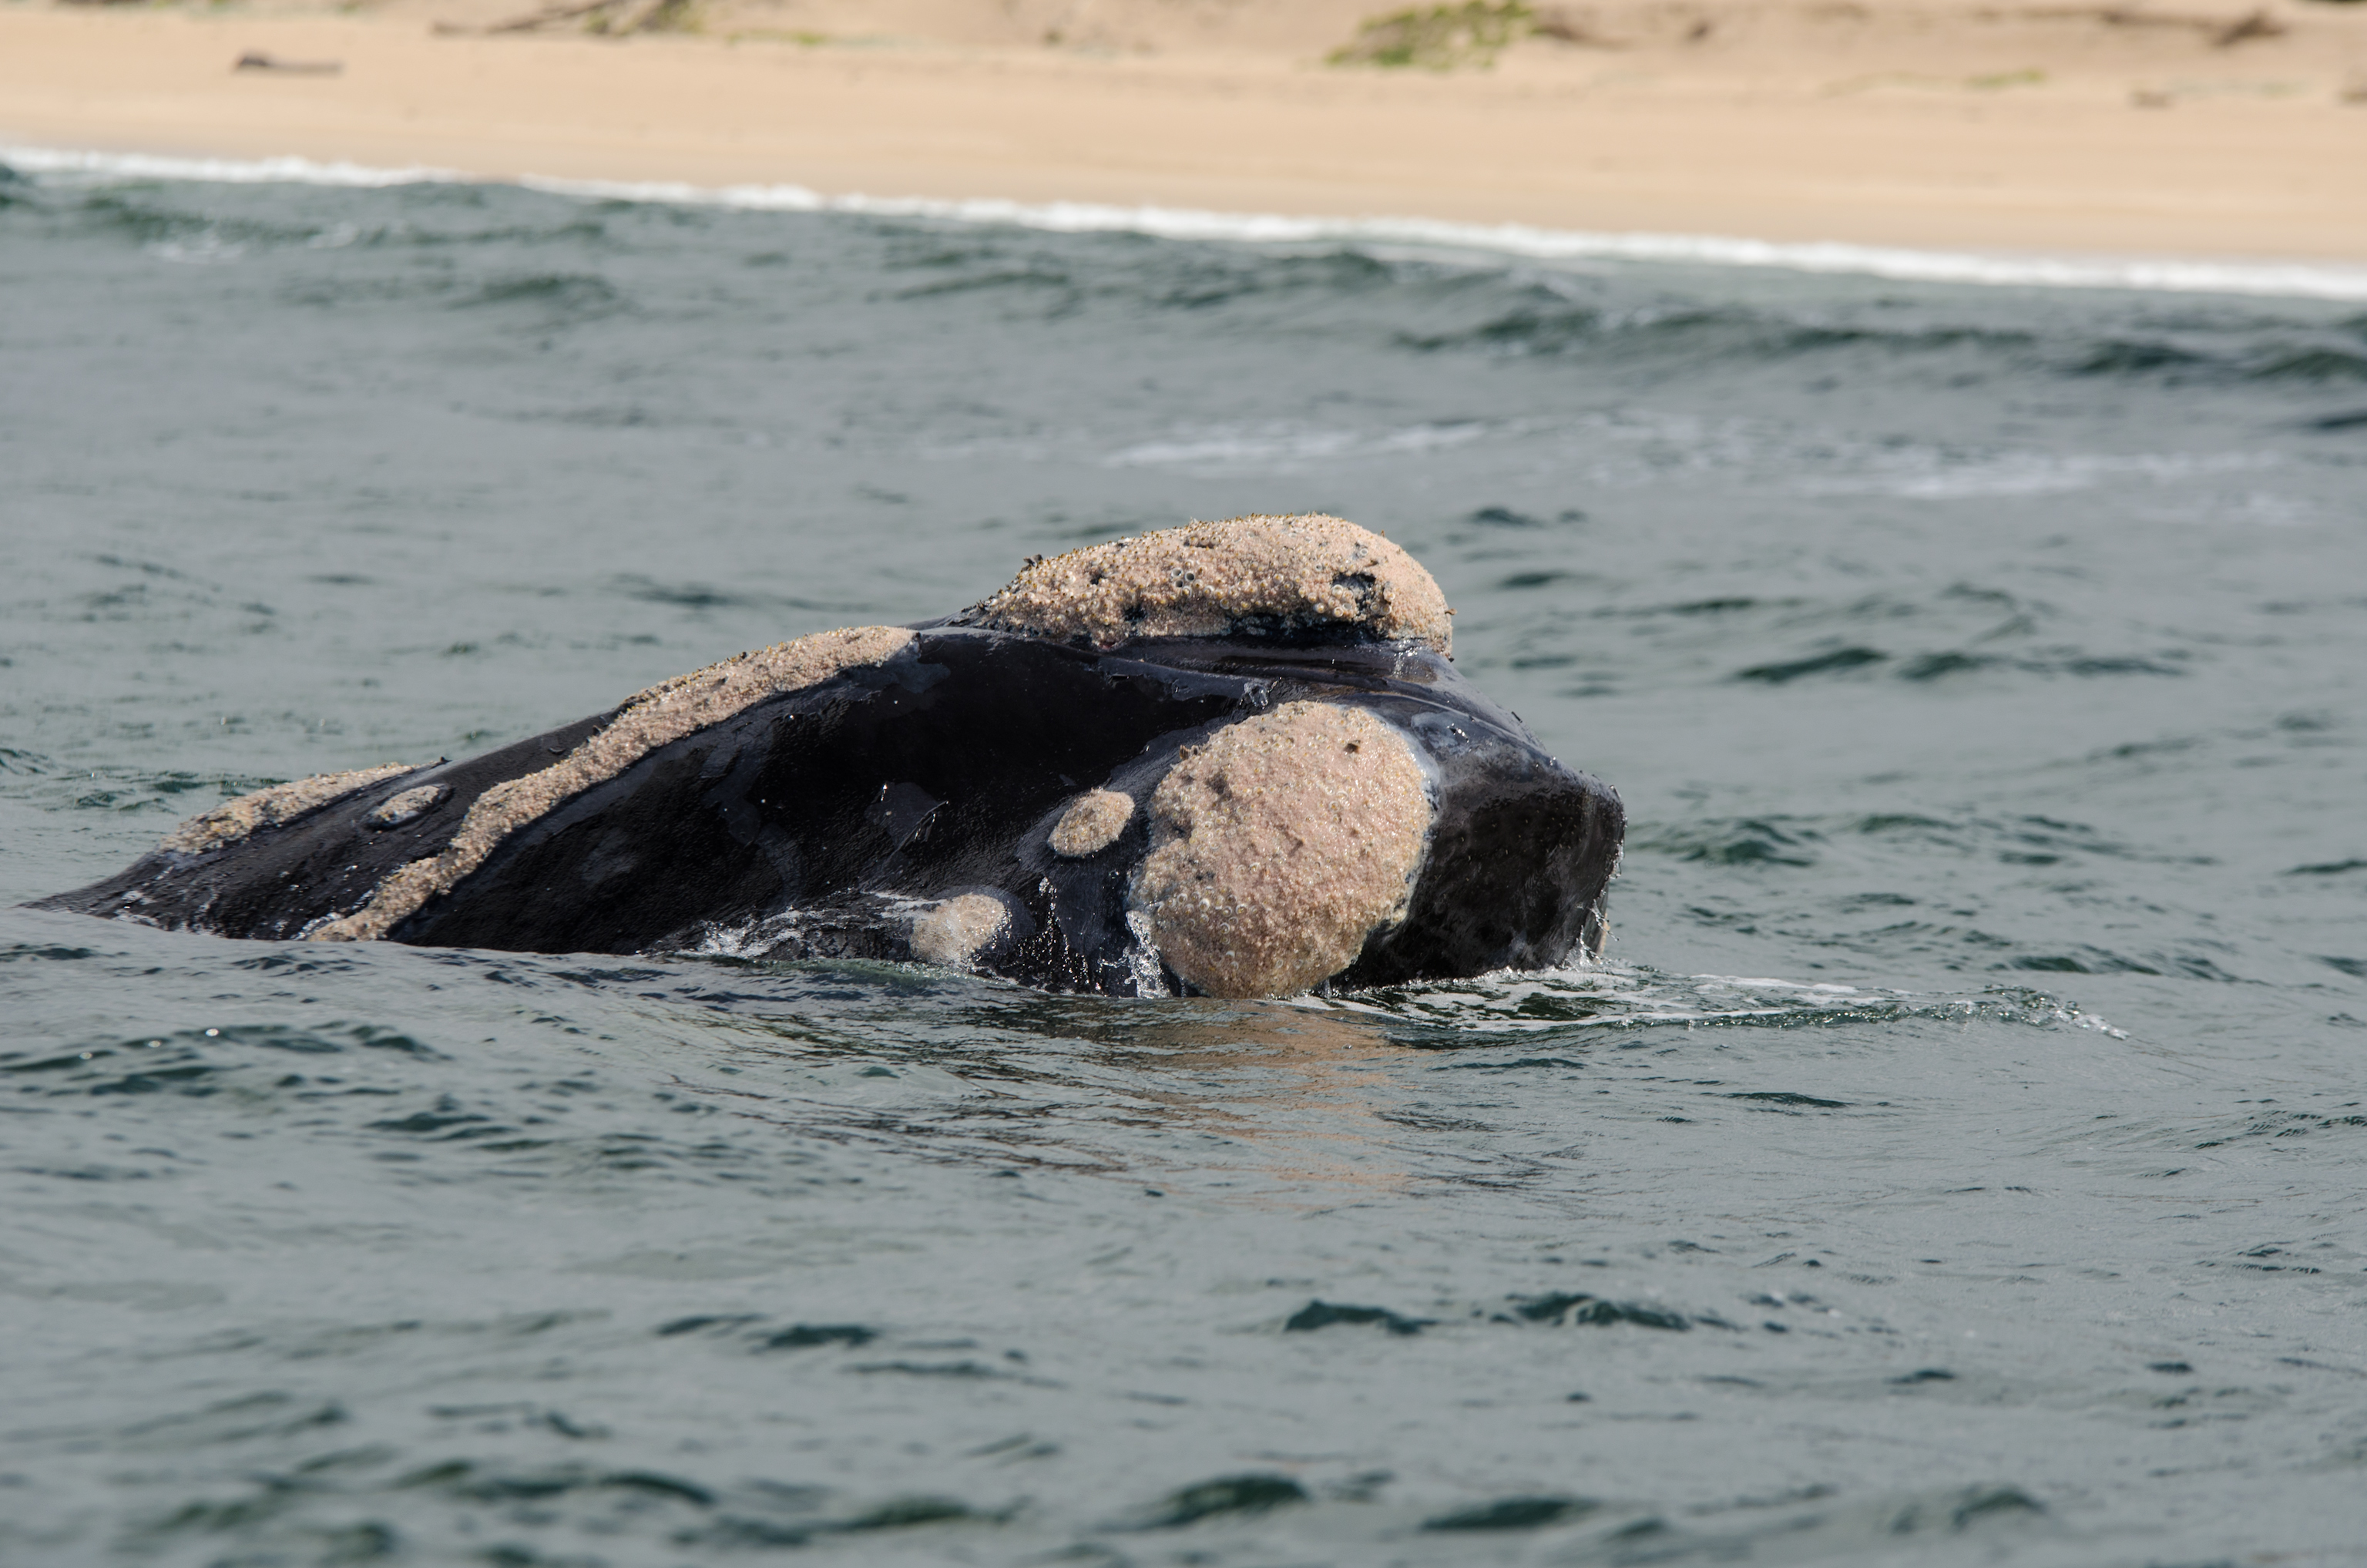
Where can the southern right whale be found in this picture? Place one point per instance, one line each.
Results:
(1232, 759)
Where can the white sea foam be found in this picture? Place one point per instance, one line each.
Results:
(2165, 275)
(1270, 445)
(1609, 995)
(102, 168)
(1927, 475)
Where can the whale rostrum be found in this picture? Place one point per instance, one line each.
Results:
(1230, 759)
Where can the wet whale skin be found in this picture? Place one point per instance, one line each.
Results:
(814, 823)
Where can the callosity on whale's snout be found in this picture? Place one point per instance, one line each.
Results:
(1232, 759)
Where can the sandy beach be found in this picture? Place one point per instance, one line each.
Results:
(2225, 132)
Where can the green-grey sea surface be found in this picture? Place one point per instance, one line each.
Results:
(1960, 1157)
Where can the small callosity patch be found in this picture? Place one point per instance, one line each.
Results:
(658, 717)
(408, 806)
(1279, 845)
(952, 933)
(234, 820)
(1287, 573)
(1092, 822)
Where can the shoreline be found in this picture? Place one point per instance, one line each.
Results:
(2263, 277)
(1559, 154)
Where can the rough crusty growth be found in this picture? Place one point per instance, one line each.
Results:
(951, 933)
(1092, 822)
(658, 717)
(1279, 845)
(1206, 580)
(408, 806)
(234, 820)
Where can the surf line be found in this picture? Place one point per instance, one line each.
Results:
(2153, 275)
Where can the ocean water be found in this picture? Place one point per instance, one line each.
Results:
(1961, 1156)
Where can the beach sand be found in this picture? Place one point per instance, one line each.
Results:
(2140, 130)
